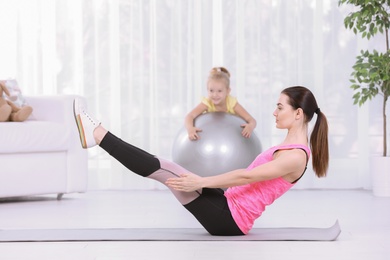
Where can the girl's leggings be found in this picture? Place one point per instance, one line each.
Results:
(209, 206)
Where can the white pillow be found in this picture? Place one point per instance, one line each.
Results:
(15, 93)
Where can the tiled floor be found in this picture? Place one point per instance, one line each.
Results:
(364, 220)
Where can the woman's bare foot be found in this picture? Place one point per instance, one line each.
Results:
(99, 133)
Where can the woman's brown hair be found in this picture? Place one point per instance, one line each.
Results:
(301, 97)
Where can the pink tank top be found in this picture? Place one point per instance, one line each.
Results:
(247, 202)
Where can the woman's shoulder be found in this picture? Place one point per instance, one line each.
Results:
(290, 147)
(303, 147)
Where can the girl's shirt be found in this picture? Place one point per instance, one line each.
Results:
(230, 103)
(248, 202)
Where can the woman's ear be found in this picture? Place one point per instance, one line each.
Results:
(299, 113)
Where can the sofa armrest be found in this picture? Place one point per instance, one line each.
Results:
(58, 108)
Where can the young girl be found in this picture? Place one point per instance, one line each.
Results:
(249, 191)
(219, 100)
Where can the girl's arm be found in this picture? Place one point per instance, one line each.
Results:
(189, 121)
(289, 163)
(250, 121)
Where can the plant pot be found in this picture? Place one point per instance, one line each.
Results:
(380, 174)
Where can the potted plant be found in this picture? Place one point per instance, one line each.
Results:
(371, 74)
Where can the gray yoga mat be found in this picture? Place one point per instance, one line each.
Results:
(168, 234)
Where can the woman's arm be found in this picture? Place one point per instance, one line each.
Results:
(189, 121)
(250, 121)
(288, 162)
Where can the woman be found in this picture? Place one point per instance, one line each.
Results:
(249, 191)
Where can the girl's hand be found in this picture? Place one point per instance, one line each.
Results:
(193, 133)
(247, 131)
(187, 182)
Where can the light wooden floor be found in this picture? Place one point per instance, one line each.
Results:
(364, 220)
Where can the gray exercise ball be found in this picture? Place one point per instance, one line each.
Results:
(221, 147)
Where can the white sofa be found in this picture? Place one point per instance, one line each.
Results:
(43, 155)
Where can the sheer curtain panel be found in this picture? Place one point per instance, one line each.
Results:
(143, 64)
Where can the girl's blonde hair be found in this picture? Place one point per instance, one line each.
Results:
(220, 73)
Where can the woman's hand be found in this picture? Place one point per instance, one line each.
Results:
(187, 182)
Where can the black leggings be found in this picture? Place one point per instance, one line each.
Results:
(209, 206)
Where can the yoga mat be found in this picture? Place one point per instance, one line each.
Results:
(168, 234)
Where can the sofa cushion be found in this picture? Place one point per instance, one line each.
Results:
(33, 136)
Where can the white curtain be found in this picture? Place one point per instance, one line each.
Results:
(143, 64)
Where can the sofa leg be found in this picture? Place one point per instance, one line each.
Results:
(59, 196)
